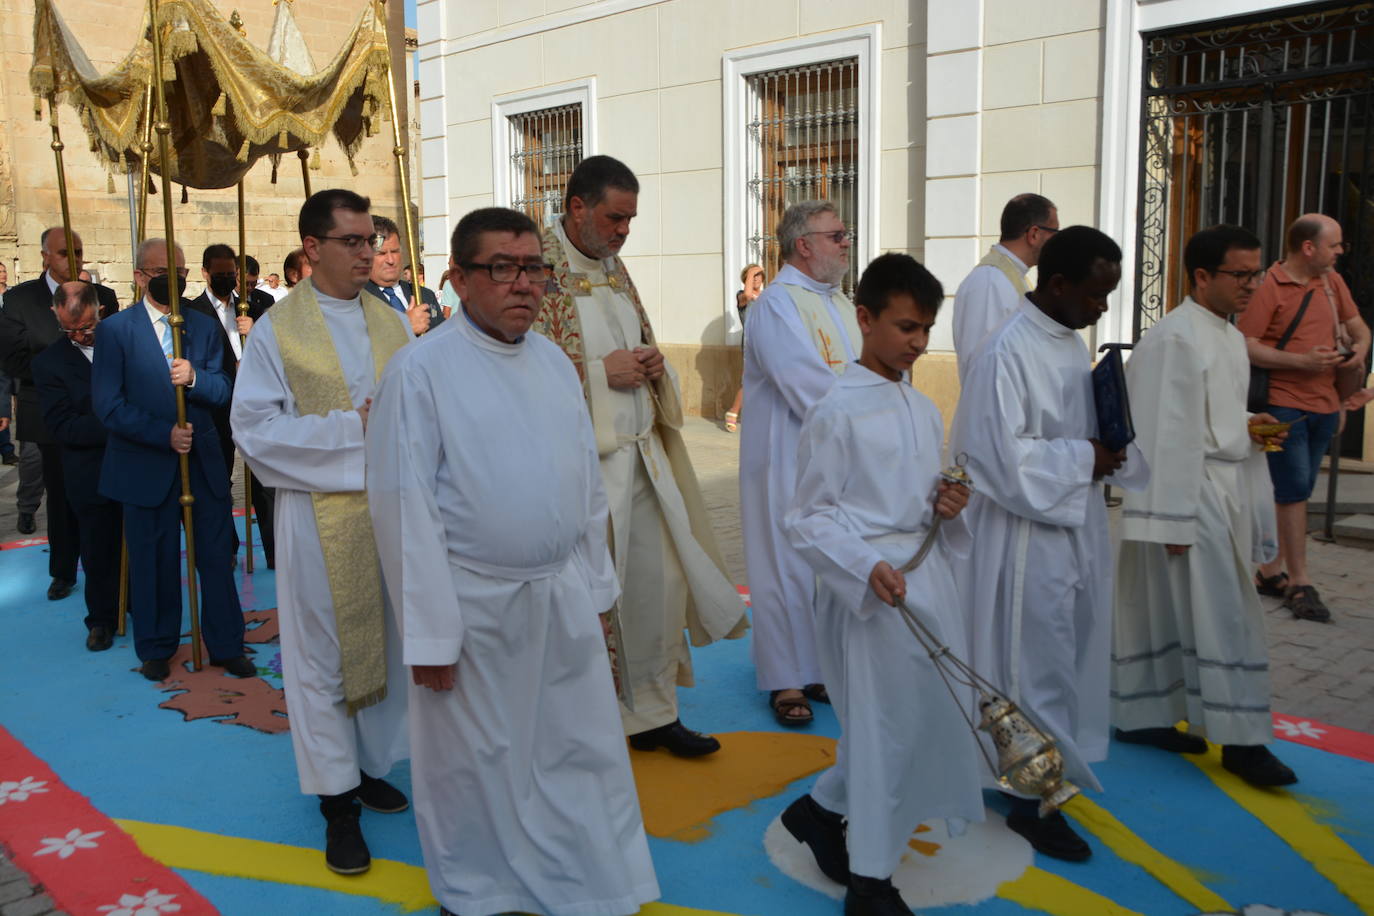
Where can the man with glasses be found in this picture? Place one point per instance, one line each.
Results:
(1302, 387)
(300, 409)
(996, 287)
(386, 282)
(1189, 642)
(491, 520)
(27, 328)
(671, 572)
(133, 384)
(62, 375)
(802, 334)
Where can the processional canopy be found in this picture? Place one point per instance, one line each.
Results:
(229, 103)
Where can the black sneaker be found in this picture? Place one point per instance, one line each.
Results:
(1051, 836)
(1255, 764)
(345, 850)
(1166, 739)
(824, 832)
(380, 795)
(873, 897)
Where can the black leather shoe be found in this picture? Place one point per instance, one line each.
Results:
(345, 850)
(155, 669)
(99, 639)
(60, 588)
(1166, 739)
(27, 525)
(1255, 764)
(873, 897)
(9, 459)
(677, 738)
(238, 666)
(380, 795)
(1051, 836)
(824, 832)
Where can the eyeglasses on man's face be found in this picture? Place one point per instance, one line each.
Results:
(155, 272)
(507, 271)
(354, 243)
(83, 331)
(1245, 277)
(837, 236)
(1049, 230)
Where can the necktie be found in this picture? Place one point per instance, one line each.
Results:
(393, 299)
(164, 335)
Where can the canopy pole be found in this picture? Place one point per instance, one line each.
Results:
(57, 147)
(243, 342)
(304, 156)
(401, 136)
(176, 320)
(146, 147)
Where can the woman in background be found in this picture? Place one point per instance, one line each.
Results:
(752, 279)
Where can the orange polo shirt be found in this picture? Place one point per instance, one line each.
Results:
(1272, 308)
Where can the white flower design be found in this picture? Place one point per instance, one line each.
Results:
(150, 904)
(20, 791)
(1303, 729)
(64, 846)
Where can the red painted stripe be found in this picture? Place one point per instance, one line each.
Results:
(24, 542)
(80, 856)
(1326, 737)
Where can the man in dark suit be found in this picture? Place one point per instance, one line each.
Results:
(259, 299)
(27, 328)
(219, 301)
(134, 397)
(386, 283)
(62, 375)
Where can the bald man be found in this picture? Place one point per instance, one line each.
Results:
(1291, 329)
(27, 328)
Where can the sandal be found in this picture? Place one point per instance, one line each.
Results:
(782, 710)
(731, 421)
(1273, 586)
(1303, 601)
(816, 692)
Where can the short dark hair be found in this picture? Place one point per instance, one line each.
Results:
(1071, 253)
(1021, 213)
(1207, 249)
(1304, 229)
(85, 299)
(385, 226)
(467, 235)
(254, 268)
(215, 252)
(292, 265)
(593, 176)
(895, 274)
(317, 213)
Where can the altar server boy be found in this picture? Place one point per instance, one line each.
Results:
(868, 491)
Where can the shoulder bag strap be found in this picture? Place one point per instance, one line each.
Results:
(1297, 320)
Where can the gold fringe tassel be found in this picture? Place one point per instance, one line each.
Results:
(315, 159)
(221, 106)
(109, 183)
(283, 139)
(243, 152)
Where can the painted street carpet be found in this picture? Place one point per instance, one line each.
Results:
(127, 798)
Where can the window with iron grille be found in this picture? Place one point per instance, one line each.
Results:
(544, 148)
(802, 128)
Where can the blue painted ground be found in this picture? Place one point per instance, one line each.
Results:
(96, 722)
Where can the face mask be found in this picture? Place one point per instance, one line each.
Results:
(223, 285)
(159, 290)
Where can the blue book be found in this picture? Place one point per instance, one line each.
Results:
(1114, 427)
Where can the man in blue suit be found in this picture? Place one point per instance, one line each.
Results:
(133, 379)
(62, 376)
(386, 283)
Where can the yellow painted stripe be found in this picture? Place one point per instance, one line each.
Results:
(1331, 856)
(1128, 845)
(393, 882)
(1049, 893)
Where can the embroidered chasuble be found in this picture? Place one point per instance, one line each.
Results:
(1011, 270)
(992, 290)
(820, 323)
(317, 383)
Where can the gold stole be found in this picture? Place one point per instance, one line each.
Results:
(351, 563)
(1008, 267)
(821, 328)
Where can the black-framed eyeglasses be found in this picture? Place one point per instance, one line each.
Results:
(354, 243)
(1050, 229)
(79, 332)
(507, 271)
(1246, 277)
(837, 236)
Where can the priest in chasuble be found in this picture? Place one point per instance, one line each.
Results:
(1037, 585)
(802, 335)
(1189, 640)
(299, 413)
(997, 285)
(672, 575)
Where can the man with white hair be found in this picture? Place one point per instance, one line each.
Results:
(802, 333)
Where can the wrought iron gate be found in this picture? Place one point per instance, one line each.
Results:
(1255, 122)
